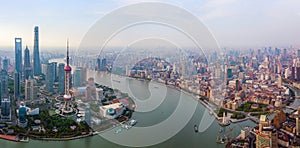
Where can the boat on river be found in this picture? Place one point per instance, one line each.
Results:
(196, 128)
(119, 130)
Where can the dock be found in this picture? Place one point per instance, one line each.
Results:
(10, 138)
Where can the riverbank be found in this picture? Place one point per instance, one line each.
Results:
(61, 139)
(205, 103)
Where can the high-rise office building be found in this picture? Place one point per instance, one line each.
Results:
(36, 53)
(18, 55)
(44, 69)
(87, 116)
(26, 57)
(61, 78)
(293, 71)
(55, 71)
(5, 109)
(298, 74)
(5, 63)
(17, 86)
(18, 68)
(229, 73)
(103, 63)
(98, 64)
(31, 90)
(83, 75)
(4, 83)
(50, 77)
(77, 77)
(27, 67)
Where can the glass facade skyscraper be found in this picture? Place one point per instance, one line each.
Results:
(18, 68)
(5, 110)
(5, 63)
(17, 86)
(18, 55)
(4, 83)
(36, 53)
(61, 78)
(78, 77)
(50, 77)
(27, 67)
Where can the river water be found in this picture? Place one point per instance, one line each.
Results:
(149, 115)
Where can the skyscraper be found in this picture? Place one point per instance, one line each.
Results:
(83, 75)
(87, 116)
(78, 77)
(36, 53)
(103, 64)
(18, 68)
(26, 57)
(50, 77)
(98, 64)
(17, 86)
(4, 83)
(18, 55)
(27, 67)
(55, 71)
(5, 63)
(5, 110)
(61, 78)
(30, 90)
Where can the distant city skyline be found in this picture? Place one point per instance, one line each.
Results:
(233, 23)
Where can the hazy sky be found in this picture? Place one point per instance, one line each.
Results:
(234, 23)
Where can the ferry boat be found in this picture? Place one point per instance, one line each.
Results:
(132, 122)
(196, 128)
(24, 139)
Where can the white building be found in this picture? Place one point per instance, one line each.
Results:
(112, 111)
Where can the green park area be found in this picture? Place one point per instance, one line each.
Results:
(237, 116)
(252, 107)
(52, 127)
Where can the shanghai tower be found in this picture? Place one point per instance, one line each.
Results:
(36, 53)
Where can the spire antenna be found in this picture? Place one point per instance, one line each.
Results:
(68, 51)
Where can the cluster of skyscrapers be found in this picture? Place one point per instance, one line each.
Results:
(101, 64)
(23, 71)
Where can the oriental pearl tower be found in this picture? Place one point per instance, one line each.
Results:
(68, 107)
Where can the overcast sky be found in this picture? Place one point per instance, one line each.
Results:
(234, 23)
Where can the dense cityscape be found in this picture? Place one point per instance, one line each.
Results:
(45, 101)
(39, 100)
(158, 76)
